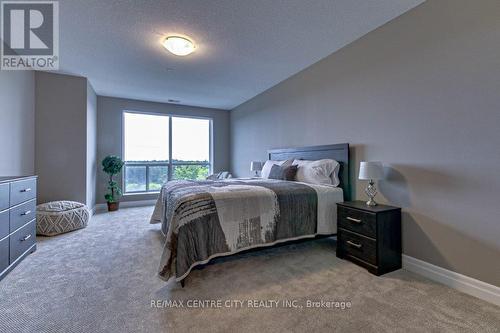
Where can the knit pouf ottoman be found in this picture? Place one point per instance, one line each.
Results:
(58, 217)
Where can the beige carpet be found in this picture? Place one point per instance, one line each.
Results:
(103, 279)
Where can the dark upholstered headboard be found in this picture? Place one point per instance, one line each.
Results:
(337, 152)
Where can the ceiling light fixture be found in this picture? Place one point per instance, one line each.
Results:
(179, 46)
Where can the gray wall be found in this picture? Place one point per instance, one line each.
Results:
(91, 141)
(17, 123)
(61, 137)
(422, 95)
(109, 134)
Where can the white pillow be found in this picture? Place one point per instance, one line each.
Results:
(318, 172)
(266, 169)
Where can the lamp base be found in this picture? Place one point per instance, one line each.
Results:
(371, 192)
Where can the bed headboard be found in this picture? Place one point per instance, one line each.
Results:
(337, 152)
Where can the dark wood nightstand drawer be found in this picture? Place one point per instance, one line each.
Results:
(22, 240)
(369, 236)
(22, 190)
(4, 196)
(22, 214)
(358, 221)
(4, 224)
(358, 246)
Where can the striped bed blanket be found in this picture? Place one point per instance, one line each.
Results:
(202, 220)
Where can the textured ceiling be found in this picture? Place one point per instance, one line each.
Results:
(244, 46)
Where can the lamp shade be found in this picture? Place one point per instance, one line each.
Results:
(256, 166)
(371, 170)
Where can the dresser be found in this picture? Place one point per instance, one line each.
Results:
(369, 236)
(17, 221)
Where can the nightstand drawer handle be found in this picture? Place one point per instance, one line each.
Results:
(26, 213)
(25, 190)
(25, 238)
(352, 219)
(358, 246)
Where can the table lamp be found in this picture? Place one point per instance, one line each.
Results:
(371, 171)
(256, 166)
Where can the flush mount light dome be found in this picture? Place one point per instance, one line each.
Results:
(179, 46)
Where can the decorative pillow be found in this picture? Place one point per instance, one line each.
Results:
(266, 169)
(214, 176)
(318, 172)
(283, 172)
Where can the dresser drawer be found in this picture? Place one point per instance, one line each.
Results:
(22, 190)
(357, 246)
(4, 254)
(4, 196)
(358, 221)
(22, 214)
(22, 240)
(4, 223)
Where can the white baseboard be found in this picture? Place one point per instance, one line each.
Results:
(125, 204)
(460, 282)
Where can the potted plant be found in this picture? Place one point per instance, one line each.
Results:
(112, 165)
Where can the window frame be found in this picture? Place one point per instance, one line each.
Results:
(169, 164)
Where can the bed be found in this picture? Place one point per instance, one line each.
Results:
(202, 220)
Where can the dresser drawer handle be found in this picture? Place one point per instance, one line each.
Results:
(358, 246)
(26, 213)
(25, 238)
(26, 190)
(352, 219)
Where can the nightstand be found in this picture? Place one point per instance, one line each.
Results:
(369, 236)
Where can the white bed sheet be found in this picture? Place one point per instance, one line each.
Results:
(328, 196)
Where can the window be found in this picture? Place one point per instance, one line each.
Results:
(158, 148)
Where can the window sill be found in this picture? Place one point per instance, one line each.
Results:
(140, 193)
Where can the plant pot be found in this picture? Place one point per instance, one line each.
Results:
(113, 206)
